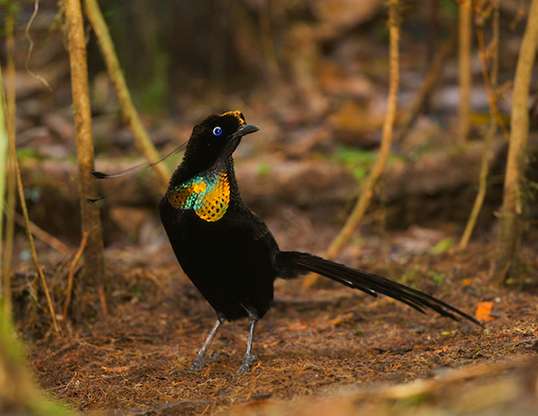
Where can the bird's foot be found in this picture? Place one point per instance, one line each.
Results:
(198, 363)
(248, 360)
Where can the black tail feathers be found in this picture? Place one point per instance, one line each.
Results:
(293, 263)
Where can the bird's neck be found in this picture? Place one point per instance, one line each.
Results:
(187, 171)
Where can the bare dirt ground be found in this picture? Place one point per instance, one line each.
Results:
(137, 360)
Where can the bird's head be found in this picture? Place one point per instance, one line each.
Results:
(216, 138)
(212, 141)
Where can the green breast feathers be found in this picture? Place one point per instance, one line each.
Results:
(208, 195)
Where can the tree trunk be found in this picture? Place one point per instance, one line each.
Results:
(513, 201)
(93, 274)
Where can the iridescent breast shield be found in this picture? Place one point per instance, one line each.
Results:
(208, 194)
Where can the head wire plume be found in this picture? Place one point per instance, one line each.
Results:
(132, 169)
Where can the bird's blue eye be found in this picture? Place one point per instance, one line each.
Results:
(217, 131)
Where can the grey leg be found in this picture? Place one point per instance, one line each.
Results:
(199, 361)
(249, 358)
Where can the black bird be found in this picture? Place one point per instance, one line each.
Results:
(229, 253)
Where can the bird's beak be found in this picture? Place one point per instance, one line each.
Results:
(236, 139)
(246, 129)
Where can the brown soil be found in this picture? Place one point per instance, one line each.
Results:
(137, 360)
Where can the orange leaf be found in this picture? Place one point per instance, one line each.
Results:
(297, 326)
(483, 311)
(117, 370)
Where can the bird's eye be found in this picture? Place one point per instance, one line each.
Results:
(217, 131)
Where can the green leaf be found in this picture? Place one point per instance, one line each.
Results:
(442, 246)
(263, 169)
(438, 278)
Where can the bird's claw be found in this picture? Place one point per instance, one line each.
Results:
(247, 363)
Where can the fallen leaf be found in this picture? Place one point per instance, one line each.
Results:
(340, 319)
(116, 370)
(483, 311)
(297, 326)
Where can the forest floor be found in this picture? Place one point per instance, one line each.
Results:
(321, 349)
(315, 342)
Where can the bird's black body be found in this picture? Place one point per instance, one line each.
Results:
(230, 261)
(228, 252)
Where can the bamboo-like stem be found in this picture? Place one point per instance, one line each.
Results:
(368, 189)
(129, 112)
(512, 208)
(464, 62)
(430, 81)
(93, 274)
(490, 82)
(24, 209)
(7, 254)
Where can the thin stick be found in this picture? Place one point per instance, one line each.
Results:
(24, 208)
(492, 93)
(71, 273)
(33, 250)
(129, 112)
(512, 208)
(430, 81)
(464, 62)
(93, 273)
(368, 189)
(28, 37)
(487, 155)
(44, 236)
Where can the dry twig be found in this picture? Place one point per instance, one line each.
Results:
(44, 236)
(131, 116)
(24, 208)
(31, 47)
(71, 273)
(430, 81)
(368, 189)
(490, 82)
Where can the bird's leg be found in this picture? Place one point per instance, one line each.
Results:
(249, 358)
(200, 357)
